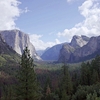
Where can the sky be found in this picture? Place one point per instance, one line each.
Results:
(51, 22)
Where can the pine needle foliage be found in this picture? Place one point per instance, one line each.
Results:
(28, 88)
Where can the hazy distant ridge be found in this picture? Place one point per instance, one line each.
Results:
(80, 48)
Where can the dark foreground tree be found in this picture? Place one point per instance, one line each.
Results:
(28, 88)
(66, 84)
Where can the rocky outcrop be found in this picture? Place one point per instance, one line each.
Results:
(4, 47)
(86, 52)
(65, 53)
(90, 50)
(79, 41)
(18, 41)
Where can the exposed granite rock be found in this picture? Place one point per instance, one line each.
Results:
(65, 53)
(4, 47)
(18, 41)
(92, 48)
(79, 41)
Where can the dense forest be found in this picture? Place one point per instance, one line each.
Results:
(28, 80)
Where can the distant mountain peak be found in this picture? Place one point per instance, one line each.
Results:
(86, 52)
(52, 53)
(76, 36)
(79, 41)
(85, 38)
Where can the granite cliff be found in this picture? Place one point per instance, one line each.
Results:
(63, 51)
(18, 40)
(86, 52)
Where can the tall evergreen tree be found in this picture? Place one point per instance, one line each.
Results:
(67, 80)
(85, 74)
(96, 64)
(64, 95)
(48, 91)
(66, 84)
(95, 77)
(28, 88)
(47, 84)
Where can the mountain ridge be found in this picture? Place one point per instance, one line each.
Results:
(90, 50)
(54, 53)
(80, 48)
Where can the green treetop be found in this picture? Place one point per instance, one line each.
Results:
(28, 88)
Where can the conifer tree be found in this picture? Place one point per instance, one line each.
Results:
(92, 97)
(64, 95)
(95, 77)
(27, 88)
(96, 64)
(48, 91)
(47, 84)
(66, 84)
(85, 74)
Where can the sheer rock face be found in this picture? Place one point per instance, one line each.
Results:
(18, 41)
(88, 51)
(4, 47)
(67, 51)
(79, 41)
(91, 49)
(63, 51)
(80, 48)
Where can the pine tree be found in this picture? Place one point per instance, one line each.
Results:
(66, 84)
(96, 65)
(27, 88)
(64, 95)
(85, 74)
(47, 84)
(95, 77)
(92, 97)
(48, 91)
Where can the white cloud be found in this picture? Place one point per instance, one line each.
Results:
(69, 0)
(57, 41)
(9, 12)
(90, 9)
(39, 44)
(26, 10)
(72, 1)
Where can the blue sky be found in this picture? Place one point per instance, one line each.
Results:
(50, 22)
(48, 17)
